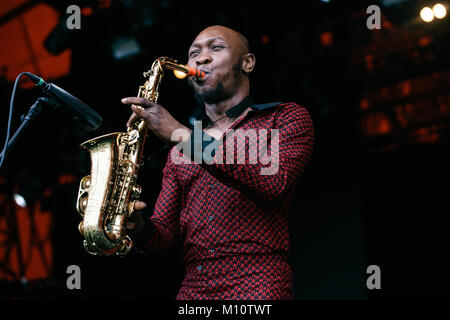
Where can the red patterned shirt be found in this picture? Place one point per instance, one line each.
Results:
(230, 220)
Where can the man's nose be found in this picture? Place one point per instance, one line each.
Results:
(203, 58)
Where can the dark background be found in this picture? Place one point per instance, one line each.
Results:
(375, 192)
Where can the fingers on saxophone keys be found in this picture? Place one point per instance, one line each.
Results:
(134, 206)
(137, 101)
(139, 205)
(138, 110)
(132, 119)
(138, 113)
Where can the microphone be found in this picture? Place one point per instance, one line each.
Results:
(83, 115)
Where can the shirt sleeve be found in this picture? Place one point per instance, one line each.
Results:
(294, 128)
(161, 230)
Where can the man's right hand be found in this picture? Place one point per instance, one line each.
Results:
(159, 120)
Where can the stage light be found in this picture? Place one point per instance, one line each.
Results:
(20, 201)
(427, 14)
(179, 74)
(439, 11)
(29, 193)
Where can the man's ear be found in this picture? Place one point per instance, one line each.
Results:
(248, 63)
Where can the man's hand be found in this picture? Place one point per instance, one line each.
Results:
(159, 120)
(136, 222)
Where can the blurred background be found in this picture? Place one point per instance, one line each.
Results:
(375, 193)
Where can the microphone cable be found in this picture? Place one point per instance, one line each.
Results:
(11, 107)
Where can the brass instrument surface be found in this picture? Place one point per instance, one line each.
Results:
(106, 197)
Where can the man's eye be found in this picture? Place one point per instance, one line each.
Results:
(216, 47)
(193, 53)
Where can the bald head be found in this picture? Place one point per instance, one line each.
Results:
(232, 36)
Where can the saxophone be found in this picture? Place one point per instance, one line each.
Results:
(106, 197)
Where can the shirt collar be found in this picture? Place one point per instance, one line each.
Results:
(249, 102)
(243, 105)
(240, 107)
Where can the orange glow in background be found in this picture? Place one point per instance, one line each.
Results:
(22, 43)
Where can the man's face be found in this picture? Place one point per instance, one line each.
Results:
(217, 51)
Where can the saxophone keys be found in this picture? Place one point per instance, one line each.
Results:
(83, 194)
(80, 228)
(131, 208)
(87, 248)
(82, 203)
(133, 136)
(137, 190)
(85, 183)
(126, 246)
(135, 194)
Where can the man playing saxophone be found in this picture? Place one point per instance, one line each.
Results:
(229, 215)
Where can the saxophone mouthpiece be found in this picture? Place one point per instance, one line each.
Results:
(194, 72)
(190, 72)
(181, 70)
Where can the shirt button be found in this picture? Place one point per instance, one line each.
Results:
(199, 268)
(210, 218)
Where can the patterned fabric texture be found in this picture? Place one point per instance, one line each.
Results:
(230, 220)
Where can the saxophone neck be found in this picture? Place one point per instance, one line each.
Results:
(150, 89)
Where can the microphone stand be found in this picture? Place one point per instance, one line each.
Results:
(34, 111)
